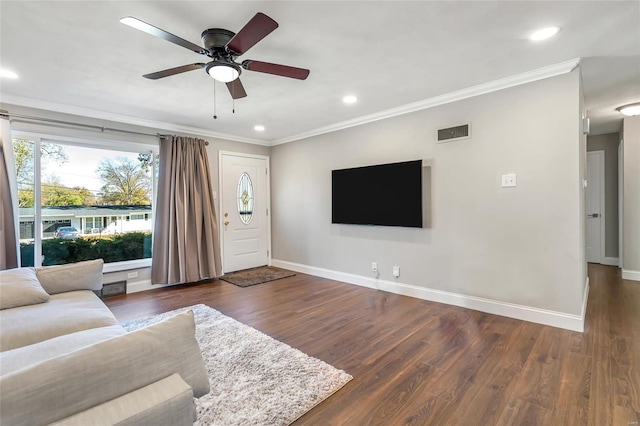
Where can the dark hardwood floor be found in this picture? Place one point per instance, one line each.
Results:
(417, 362)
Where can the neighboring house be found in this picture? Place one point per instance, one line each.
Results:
(89, 220)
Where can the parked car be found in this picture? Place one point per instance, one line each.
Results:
(67, 232)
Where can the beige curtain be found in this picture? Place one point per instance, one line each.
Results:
(9, 239)
(186, 246)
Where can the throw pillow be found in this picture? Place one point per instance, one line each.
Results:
(20, 287)
(85, 275)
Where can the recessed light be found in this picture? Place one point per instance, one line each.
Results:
(350, 99)
(544, 33)
(631, 109)
(8, 74)
(259, 128)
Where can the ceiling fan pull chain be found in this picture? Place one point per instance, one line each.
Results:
(233, 103)
(215, 117)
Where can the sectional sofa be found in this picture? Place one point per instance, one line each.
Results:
(65, 360)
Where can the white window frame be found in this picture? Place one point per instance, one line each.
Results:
(90, 142)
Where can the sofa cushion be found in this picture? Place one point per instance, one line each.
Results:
(18, 358)
(70, 277)
(20, 287)
(69, 384)
(168, 402)
(63, 314)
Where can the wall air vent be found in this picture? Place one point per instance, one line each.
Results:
(454, 133)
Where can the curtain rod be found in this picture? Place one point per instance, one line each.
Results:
(9, 115)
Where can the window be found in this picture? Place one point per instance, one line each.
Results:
(245, 198)
(86, 187)
(92, 222)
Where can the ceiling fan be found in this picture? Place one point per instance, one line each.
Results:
(223, 47)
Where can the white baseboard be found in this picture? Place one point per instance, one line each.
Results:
(143, 285)
(511, 310)
(611, 261)
(628, 274)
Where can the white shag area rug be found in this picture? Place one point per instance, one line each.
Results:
(255, 379)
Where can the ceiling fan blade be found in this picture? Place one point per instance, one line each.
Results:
(236, 89)
(173, 71)
(255, 30)
(275, 69)
(155, 31)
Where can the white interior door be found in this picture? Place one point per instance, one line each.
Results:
(595, 206)
(244, 207)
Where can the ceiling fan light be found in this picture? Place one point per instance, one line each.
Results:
(631, 109)
(223, 72)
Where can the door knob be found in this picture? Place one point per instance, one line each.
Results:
(226, 222)
(593, 215)
(226, 215)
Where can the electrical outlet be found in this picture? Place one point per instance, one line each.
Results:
(132, 275)
(374, 266)
(396, 271)
(509, 180)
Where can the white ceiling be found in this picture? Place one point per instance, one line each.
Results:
(77, 57)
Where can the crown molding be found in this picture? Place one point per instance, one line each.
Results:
(120, 118)
(481, 89)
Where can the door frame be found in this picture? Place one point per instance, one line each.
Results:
(600, 157)
(620, 203)
(268, 196)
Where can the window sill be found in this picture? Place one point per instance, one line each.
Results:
(126, 265)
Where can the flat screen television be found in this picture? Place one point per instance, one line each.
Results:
(385, 194)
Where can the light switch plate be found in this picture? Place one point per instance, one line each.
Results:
(509, 180)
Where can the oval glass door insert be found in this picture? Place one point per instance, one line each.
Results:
(245, 198)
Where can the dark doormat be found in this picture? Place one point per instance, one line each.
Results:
(253, 276)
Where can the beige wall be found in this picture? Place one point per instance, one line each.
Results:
(581, 152)
(631, 196)
(609, 144)
(521, 245)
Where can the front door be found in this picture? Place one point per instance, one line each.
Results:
(594, 206)
(244, 218)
